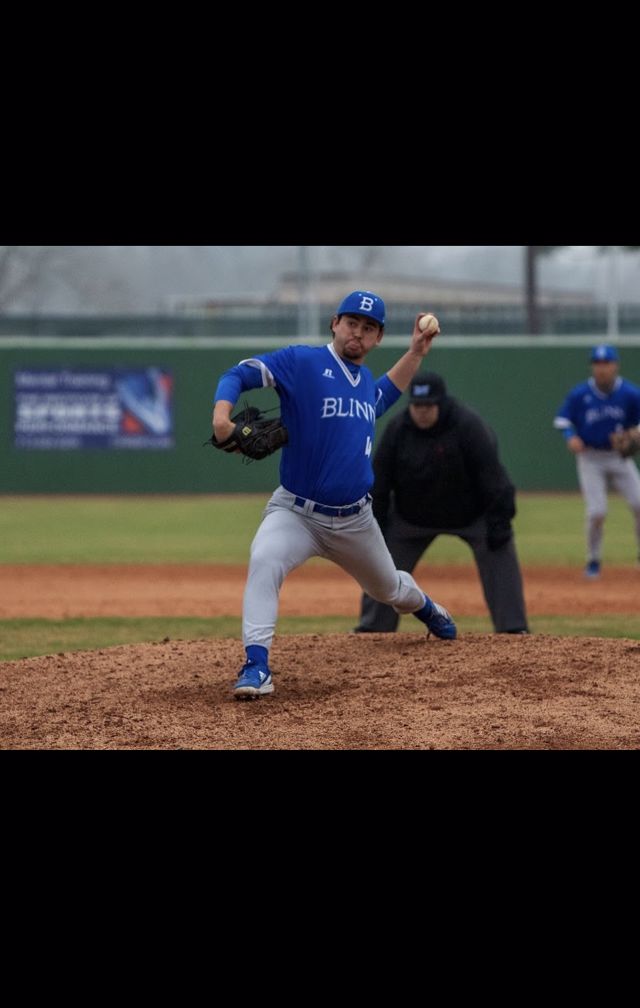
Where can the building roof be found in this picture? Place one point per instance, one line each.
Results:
(329, 289)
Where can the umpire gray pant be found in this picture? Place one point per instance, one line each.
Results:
(499, 571)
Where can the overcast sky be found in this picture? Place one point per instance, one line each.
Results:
(147, 278)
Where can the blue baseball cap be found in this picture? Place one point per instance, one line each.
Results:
(604, 352)
(363, 303)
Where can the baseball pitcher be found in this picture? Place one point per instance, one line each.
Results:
(329, 404)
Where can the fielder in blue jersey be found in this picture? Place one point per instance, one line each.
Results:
(592, 411)
(329, 403)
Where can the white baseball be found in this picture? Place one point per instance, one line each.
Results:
(428, 324)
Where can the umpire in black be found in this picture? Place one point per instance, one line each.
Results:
(437, 472)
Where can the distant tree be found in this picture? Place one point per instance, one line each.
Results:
(31, 274)
(531, 254)
(22, 268)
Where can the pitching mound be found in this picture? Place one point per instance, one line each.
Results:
(365, 691)
(372, 691)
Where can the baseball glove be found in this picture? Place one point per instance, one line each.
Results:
(626, 442)
(254, 435)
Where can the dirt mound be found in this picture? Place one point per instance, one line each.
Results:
(365, 691)
(373, 691)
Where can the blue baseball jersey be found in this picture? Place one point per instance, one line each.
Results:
(593, 415)
(329, 407)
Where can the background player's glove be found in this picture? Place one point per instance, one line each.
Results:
(254, 436)
(626, 442)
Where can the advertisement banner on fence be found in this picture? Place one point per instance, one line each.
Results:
(75, 408)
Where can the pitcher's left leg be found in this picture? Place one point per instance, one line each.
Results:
(358, 547)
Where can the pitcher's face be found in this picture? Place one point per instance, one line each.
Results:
(354, 336)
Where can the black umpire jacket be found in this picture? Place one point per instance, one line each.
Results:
(445, 477)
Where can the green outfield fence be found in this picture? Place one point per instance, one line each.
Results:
(516, 383)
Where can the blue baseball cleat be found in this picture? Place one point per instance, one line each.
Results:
(254, 681)
(439, 623)
(592, 570)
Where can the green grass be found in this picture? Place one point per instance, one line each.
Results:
(27, 638)
(219, 529)
(128, 529)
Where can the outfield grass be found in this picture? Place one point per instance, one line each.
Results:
(207, 529)
(219, 529)
(128, 529)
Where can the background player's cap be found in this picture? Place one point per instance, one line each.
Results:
(426, 389)
(604, 352)
(363, 303)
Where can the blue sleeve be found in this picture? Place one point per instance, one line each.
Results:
(563, 420)
(386, 394)
(237, 379)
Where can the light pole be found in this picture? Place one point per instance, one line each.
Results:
(307, 302)
(531, 289)
(612, 292)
